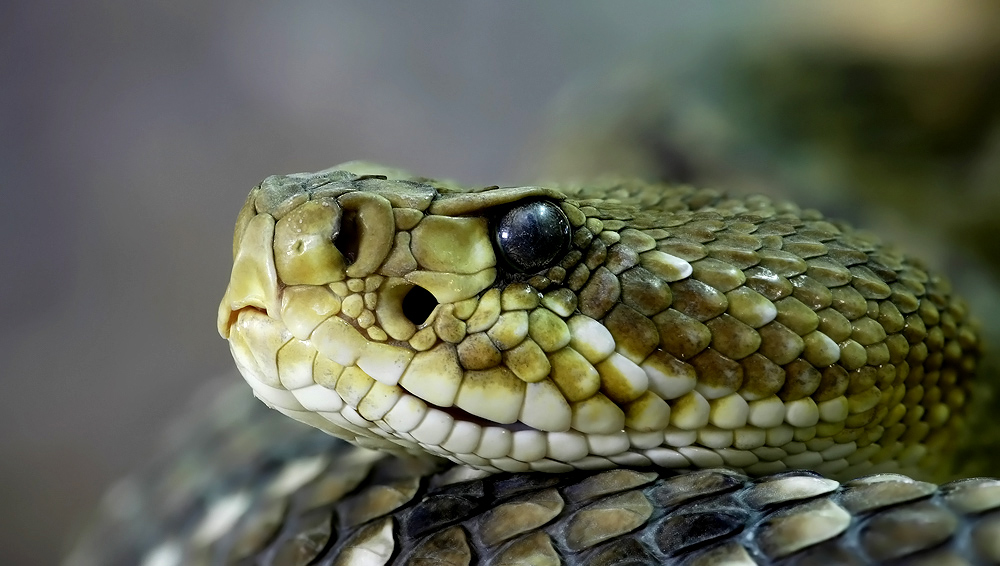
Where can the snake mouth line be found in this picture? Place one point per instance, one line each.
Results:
(462, 415)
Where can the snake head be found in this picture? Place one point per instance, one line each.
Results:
(534, 328)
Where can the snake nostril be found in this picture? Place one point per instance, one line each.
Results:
(418, 303)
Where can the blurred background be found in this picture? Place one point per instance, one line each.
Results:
(130, 133)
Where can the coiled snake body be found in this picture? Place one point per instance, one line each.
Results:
(670, 360)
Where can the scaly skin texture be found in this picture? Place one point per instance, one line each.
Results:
(672, 326)
(677, 329)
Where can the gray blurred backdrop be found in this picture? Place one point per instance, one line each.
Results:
(130, 133)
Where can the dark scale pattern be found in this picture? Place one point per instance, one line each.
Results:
(599, 518)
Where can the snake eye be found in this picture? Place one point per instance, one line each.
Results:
(530, 237)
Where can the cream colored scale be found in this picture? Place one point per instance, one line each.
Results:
(676, 327)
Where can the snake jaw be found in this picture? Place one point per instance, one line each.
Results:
(673, 328)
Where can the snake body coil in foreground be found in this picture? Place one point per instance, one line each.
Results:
(612, 338)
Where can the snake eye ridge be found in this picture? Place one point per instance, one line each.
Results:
(532, 236)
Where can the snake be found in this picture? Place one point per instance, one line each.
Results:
(613, 373)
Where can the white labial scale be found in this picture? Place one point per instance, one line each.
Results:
(643, 440)
(295, 365)
(715, 437)
(567, 446)
(318, 398)
(702, 457)
(678, 437)
(352, 416)
(667, 458)
(597, 415)
(385, 363)
(406, 414)
(434, 375)
(545, 408)
(528, 445)
(590, 338)
(259, 338)
(434, 428)
(802, 412)
(737, 458)
(244, 358)
(464, 438)
(271, 396)
(608, 444)
(689, 412)
(767, 412)
(379, 400)
(496, 442)
(495, 395)
(330, 423)
(729, 412)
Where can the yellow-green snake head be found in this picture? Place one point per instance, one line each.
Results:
(547, 329)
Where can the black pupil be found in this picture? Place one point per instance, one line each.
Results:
(532, 236)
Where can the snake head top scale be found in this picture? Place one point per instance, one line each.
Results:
(534, 328)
